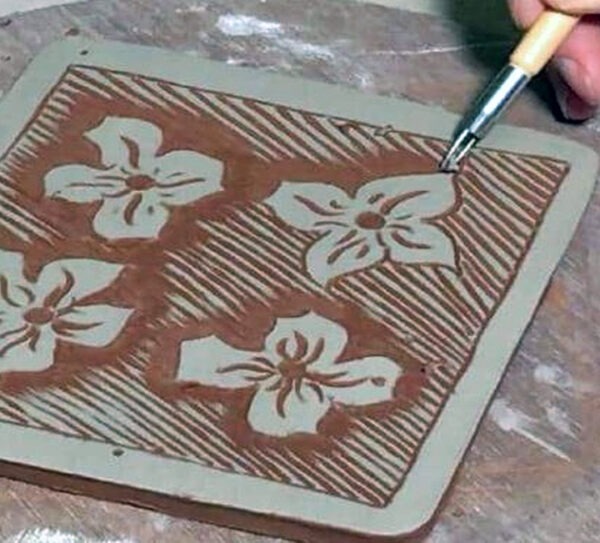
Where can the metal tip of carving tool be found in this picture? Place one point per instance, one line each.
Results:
(484, 113)
(463, 143)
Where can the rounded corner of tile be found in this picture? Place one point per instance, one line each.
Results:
(406, 528)
(411, 534)
(578, 149)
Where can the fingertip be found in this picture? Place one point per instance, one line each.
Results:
(572, 107)
(576, 7)
(525, 12)
(577, 61)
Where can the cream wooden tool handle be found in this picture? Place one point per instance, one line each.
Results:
(542, 40)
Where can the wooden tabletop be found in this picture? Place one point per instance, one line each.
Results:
(533, 473)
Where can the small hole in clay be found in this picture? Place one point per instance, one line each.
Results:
(118, 453)
(73, 32)
(84, 53)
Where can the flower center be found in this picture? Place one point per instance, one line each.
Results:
(370, 220)
(140, 182)
(39, 315)
(291, 369)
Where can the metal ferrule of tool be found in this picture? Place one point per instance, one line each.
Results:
(533, 52)
(484, 114)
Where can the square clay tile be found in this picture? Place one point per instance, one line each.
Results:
(255, 300)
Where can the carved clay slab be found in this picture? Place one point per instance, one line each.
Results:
(255, 297)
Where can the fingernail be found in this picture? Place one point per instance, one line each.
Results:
(568, 72)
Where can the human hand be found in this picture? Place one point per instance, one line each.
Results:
(575, 70)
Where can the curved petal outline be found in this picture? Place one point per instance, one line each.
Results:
(12, 325)
(307, 338)
(298, 415)
(92, 325)
(128, 142)
(337, 254)
(414, 196)
(70, 280)
(212, 362)
(294, 203)
(13, 285)
(131, 216)
(82, 184)
(376, 377)
(423, 244)
(187, 176)
(28, 355)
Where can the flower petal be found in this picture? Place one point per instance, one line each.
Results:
(422, 244)
(308, 337)
(19, 353)
(10, 319)
(126, 142)
(310, 206)
(300, 414)
(92, 325)
(211, 362)
(12, 326)
(375, 379)
(421, 196)
(186, 176)
(79, 183)
(339, 253)
(12, 283)
(68, 281)
(11, 264)
(131, 216)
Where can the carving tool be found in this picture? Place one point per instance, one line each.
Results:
(529, 58)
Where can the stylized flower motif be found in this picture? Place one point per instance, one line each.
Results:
(137, 187)
(387, 219)
(297, 377)
(35, 316)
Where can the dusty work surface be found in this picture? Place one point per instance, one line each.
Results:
(531, 475)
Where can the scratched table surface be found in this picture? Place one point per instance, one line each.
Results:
(533, 473)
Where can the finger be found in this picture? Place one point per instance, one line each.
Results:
(578, 66)
(578, 7)
(576, 70)
(571, 106)
(525, 12)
